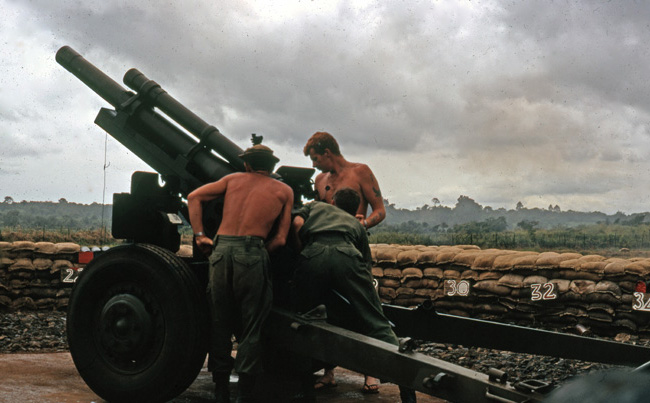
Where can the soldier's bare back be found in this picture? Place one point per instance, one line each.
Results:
(253, 202)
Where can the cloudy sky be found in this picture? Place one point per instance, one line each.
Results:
(533, 101)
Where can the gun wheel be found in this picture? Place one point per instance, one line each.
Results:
(137, 325)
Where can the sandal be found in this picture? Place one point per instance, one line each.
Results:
(370, 389)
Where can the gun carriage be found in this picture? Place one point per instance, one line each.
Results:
(137, 319)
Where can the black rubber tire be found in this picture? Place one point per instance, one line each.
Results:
(137, 325)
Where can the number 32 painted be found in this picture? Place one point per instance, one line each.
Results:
(543, 291)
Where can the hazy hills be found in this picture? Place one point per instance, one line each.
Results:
(63, 214)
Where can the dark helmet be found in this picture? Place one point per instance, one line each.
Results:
(259, 152)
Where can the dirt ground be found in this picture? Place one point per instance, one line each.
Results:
(53, 378)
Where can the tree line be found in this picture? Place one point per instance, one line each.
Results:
(473, 217)
(53, 215)
(466, 223)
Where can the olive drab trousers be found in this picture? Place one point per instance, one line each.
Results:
(240, 297)
(333, 272)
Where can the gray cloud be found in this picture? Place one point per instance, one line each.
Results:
(498, 101)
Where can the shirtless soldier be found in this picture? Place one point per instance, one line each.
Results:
(239, 290)
(338, 173)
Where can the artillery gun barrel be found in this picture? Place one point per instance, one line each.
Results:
(93, 77)
(163, 145)
(209, 135)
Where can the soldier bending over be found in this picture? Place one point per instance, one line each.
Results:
(338, 173)
(239, 290)
(335, 259)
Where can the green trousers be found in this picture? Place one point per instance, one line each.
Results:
(332, 272)
(240, 297)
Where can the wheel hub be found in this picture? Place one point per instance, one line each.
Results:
(125, 328)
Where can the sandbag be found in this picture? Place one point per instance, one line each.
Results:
(407, 257)
(23, 264)
(451, 274)
(489, 275)
(24, 246)
(387, 292)
(491, 286)
(511, 280)
(469, 275)
(433, 273)
(44, 248)
(42, 264)
(386, 255)
(466, 257)
(404, 292)
(393, 273)
(411, 273)
(582, 286)
(67, 248)
(389, 282)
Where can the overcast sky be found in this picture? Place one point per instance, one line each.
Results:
(532, 101)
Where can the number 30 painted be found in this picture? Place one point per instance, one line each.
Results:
(460, 288)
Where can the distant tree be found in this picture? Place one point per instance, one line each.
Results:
(435, 201)
(467, 209)
(491, 224)
(557, 209)
(63, 201)
(519, 206)
(466, 201)
(528, 225)
(11, 218)
(634, 220)
(9, 200)
(496, 224)
(550, 207)
(39, 221)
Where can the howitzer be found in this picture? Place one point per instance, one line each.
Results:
(137, 320)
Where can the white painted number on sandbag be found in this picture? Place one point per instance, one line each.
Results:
(70, 274)
(542, 292)
(453, 288)
(640, 302)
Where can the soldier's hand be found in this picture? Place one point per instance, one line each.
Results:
(204, 244)
(362, 220)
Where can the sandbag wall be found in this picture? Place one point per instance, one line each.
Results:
(31, 274)
(555, 290)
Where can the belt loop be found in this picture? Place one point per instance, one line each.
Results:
(248, 242)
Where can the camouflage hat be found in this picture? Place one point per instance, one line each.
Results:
(258, 151)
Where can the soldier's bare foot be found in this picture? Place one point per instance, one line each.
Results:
(326, 381)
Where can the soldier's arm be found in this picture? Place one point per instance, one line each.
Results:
(195, 199)
(372, 193)
(299, 218)
(318, 185)
(364, 247)
(296, 224)
(279, 238)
